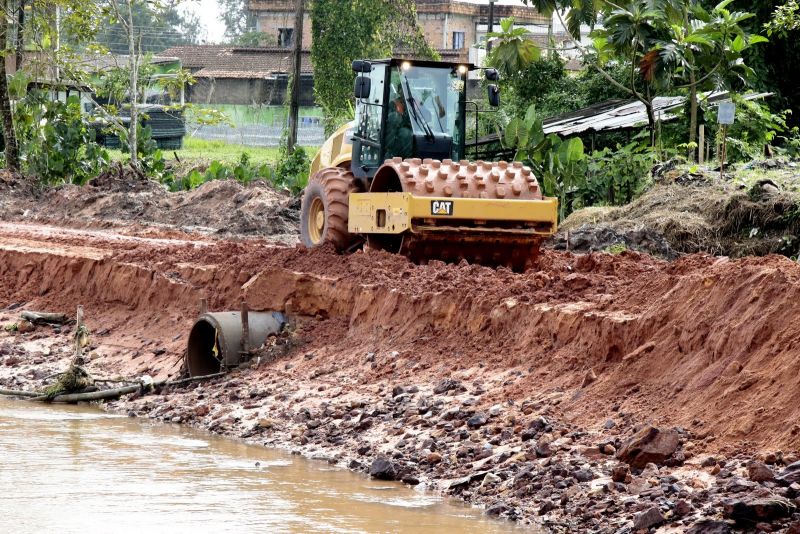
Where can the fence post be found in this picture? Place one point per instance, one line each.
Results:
(701, 145)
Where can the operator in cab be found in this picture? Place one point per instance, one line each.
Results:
(399, 136)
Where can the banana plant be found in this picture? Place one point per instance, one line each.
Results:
(557, 162)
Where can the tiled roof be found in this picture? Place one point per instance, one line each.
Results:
(225, 61)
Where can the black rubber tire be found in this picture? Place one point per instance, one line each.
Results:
(333, 187)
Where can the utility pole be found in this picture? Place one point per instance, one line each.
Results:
(490, 27)
(294, 101)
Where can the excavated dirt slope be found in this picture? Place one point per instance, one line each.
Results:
(704, 343)
(129, 203)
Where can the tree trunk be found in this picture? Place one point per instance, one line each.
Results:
(693, 114)
(294, 102)
(651, 122)
(651, 116)
(133, 65)
(20, 34)
(12, 151)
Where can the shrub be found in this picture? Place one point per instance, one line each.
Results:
(243, 172)
(290, 174)
(754, 127)
(292, 171)
(615, 177)
(151, 159)
(57, 140)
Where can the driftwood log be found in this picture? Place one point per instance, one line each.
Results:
(94, 395)
(71, 398)
(13, 393)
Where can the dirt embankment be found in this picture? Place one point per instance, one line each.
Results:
(513, 391)
(753, 210)
(120, 199)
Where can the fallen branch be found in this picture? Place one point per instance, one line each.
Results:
(13, 393)
(44, 317)
(94, 395)
(105, 393)
(188, 380)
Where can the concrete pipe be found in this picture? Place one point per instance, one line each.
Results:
(215, 342)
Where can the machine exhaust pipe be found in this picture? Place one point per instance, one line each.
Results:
(217, 342)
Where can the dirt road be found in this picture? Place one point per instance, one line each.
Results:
(594, 345)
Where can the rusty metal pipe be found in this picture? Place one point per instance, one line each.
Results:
(215, 341)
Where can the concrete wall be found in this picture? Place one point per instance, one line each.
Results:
(247, 91)
(439, 28)
(438, 19)
(270, 23)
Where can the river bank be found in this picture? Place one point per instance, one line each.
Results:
(518, 461)
(530, 395)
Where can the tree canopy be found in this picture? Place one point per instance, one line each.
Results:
(668, 45)
(346, 30)
(157, 30)
(239, 21)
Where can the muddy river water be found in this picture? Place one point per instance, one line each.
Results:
(76, 469)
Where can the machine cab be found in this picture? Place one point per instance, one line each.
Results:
(408, 109)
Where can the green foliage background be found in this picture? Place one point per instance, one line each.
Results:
(346, 30)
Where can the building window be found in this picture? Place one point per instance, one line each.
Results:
(285, 37)
(458, 40)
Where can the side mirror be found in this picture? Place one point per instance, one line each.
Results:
(361, 66)
(492, 75)
(362, 87)
(494, 95)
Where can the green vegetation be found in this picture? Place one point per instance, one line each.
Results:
(166, 25)
(57, 141)
(614, 177)
(556, 162)
(605, 177)
(241, 115)
(289, 174)
(669, 46)
(643, 50)
(513, 51)
(238, 19)
(199, 150)
(616, 249)
(343, 31)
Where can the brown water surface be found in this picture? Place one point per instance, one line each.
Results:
(76, 469)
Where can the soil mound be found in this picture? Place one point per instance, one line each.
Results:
(120, 198)
(693, 213)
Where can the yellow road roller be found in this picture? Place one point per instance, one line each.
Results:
(397, 178)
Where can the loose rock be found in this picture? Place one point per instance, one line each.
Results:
(649, 518)
(382, 469)
(754, 511)
(759, 472)
(650, 444)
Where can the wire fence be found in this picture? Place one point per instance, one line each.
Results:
(258, 134)
(261, 126)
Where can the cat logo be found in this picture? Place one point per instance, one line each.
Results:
(441, 207)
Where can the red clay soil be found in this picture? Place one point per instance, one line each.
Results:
(702, 342)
